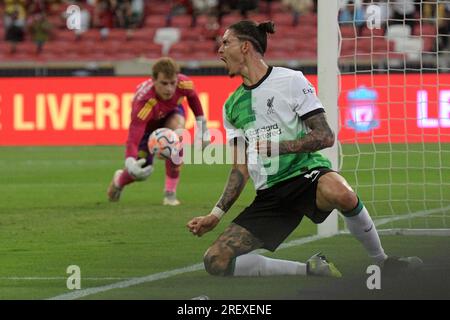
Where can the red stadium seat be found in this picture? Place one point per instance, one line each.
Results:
(283, 44)
(155, 21)
(366, 32)
(425, 29)
(230, 19)
(60, 47)
(348, 31)
(123, 56)
(117, 34)
(152, 55)
(192, 34)
(309, 19)
(161, 8)
(141, 48)
(67, 35)
(181, 21)
(382, 45)
(201, 55)
(143, 34)
(429, 43)
(282, 19)
(27, 47)
(202, 20)
(208, 47)
(92, 34)
(258, 17)
(181, 48)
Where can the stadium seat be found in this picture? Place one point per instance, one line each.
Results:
(202, 20)
(429, 43)
(425, 29)
(99, 56)
(141, 48)
(258, 17)
(143, 34)
(151, 55)
(230, 19)
(60, 47)
(306, 30)
(27, 47)
(181, 48)
(92, 34)
(111, 46)
(155, 21)
(306, 45)
(5, 47)
(308, 19)
(117, 34)
(282, 19)
(287, 44)
(161, 8)
(67, 35)
(123, 56)
(364, 45)
(181, 21)
(348, 31)
(192, 34)
(366, 32)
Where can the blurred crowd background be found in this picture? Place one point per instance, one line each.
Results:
(190, 30)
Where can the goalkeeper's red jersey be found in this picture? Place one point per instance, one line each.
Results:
(148, 110)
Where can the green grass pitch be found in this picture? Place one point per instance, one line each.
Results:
(54, 213)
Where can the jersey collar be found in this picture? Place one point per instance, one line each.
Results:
(269, 70)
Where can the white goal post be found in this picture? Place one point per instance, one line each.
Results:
(328, 87)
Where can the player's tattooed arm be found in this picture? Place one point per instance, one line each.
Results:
(320, 137)
(237, 179)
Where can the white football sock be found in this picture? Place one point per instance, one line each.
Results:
(363, 228)
(256, 265)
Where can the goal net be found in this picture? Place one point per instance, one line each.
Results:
(394, 111)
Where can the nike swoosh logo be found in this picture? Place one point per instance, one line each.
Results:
(367, 230)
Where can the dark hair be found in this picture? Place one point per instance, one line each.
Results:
(253, 32)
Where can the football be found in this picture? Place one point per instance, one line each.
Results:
(164, 143)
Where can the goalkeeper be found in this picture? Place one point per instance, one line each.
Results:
(275, 125)
(157, 104)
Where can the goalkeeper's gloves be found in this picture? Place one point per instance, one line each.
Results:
(136, 170)
(202, 136)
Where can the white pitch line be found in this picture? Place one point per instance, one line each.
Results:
(158, 276)
(63, 278)
(380, 222)
(196, 267)
(127, 283)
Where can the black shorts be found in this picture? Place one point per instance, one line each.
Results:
(278, 210)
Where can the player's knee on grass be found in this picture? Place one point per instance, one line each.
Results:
(218, 263)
